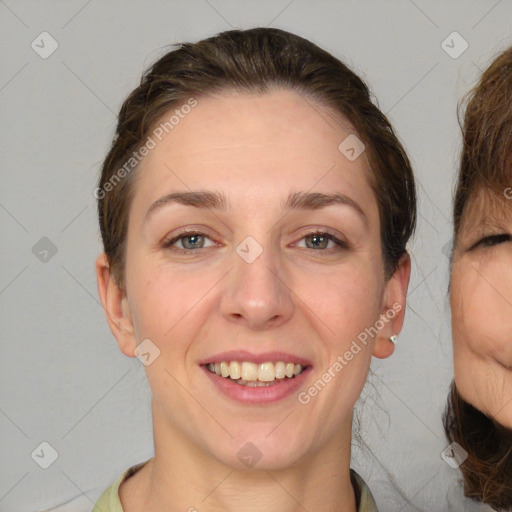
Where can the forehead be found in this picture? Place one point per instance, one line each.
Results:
(255, 142)
(486, 209)
(281, 120)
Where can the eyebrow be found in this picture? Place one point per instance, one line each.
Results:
(218, 201)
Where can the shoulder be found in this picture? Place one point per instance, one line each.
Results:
(109, 501)
(364, 498)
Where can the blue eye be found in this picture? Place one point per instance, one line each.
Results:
(192, 240)
(321, 239)
(195, 240)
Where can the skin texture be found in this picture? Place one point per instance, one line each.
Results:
(294, 298)
(481, 302)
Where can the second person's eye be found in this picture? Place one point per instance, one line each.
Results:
(491, 240)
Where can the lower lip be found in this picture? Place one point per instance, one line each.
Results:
(257, 395)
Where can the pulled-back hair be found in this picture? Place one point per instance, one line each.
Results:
(255, 61)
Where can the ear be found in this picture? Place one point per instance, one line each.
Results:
(117, 309)
(393, 310)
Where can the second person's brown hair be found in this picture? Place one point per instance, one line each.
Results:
(485, 166)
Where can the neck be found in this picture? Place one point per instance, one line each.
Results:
(183, 477)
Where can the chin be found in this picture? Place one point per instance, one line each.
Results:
(259, 451)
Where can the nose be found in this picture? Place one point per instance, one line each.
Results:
(256, 293)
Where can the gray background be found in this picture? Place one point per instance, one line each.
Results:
(63, 379)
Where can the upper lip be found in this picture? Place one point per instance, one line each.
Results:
(264, 357)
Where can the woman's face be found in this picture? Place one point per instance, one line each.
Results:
(253, 284)
(481, 303)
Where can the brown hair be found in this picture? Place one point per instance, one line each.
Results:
(487, 471)
(485, 166)
(256, 60)
(486, 159)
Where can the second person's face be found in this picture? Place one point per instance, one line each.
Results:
(481, 303)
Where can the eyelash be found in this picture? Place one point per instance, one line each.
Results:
(492, 240)
(167, 244)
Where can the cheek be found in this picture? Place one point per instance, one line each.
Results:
(482, 310)
(341, 301)
(347, 301)
(162, 301)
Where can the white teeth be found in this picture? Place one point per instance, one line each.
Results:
(234, 370)
(224, 369)
(280, 368)
(249, 371)
(253, 383)
(266, 372)
(251, 374)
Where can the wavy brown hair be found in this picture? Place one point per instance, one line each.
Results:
(487, 471)
(485, 166)
(486, 157)
(256, 61)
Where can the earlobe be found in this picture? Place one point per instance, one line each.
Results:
(383, 347)
(393, 311)
(116, 307)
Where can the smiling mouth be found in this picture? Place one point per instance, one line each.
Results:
(256, 375)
